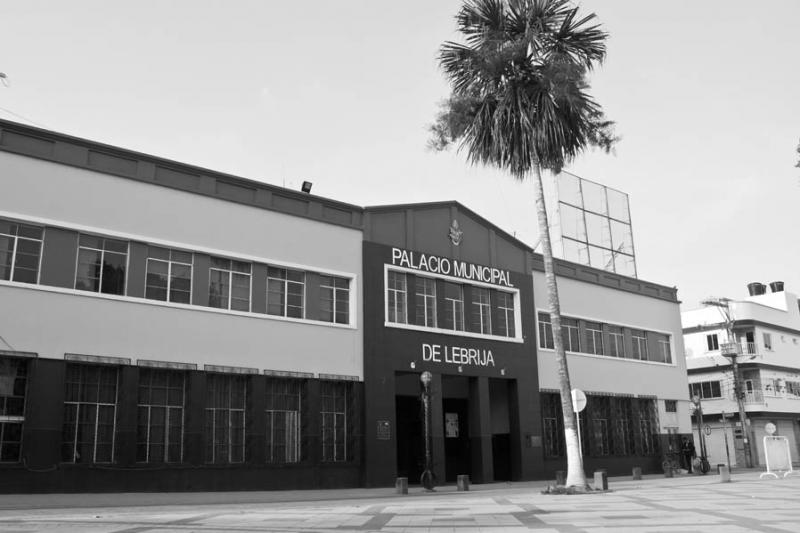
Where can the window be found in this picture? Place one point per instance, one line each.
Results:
(426, 302)
(639, 343)
(505, 315)
(396, 297)
(481, 310)
(664, 349)
(671, 406)
(284, 400)
(101, 265)
(570, 334)
(648, 443)
(285, 292)
(600, 436)
(594, 338)
(13, 378)
(169, 275)
(552, 425)
(705, 389)
(713, 342)
(229, 284)
(545, 332)
(767, 341)
(160, 411)
(225, 418)
(90, 410)
(454, 306)
(616, 344)
(335, 299)
(20, 252)
(334, 420)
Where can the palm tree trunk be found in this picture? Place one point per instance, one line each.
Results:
(575, 474)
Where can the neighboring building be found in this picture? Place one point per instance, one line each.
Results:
(167, 327)
(766, 339)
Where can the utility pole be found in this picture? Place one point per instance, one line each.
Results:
(731, 350)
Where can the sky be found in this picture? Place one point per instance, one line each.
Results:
(341, 93)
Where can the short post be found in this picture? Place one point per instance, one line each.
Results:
(462, 481)
(637, 473)
(561, 478)
(601, 479)
(724, 474)
(401, 485)
(668, 471)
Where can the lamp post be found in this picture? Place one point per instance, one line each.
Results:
(427, 478)
(730, 350)
(704, 466)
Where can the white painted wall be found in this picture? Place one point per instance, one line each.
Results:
(608, 374)
(51, 322)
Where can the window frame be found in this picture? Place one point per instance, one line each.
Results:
(396, 297)
(6, 420)
(423, 300)
(594, 333)
(507, 323)
(81, 405)
(15, 250)
(454, 307)
(335, 293)
(102, 260)
(170, 264)
(285, 283)
(214, 411)
(231, 273)
(712, 342)
(293, 454)
(169, 408)
(482, 310)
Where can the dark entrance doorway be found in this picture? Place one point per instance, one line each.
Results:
(410, 450)
(456, 437)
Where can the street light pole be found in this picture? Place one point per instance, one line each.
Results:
(704, 466)
(731, 350)
(427, 478)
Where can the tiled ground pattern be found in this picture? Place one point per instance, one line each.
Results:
(707, 507)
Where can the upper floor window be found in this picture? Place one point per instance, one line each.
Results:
(664, 349)
(545, 332)
(505, 314)
(639, 344)
(616, 344)
(169, 275)
(594, 338)
(767, 341)
(712, 341)
(396, 297)
(571, 335)
(482, 310)
(102, 264)
(13, 377)
(229, 284)
(705, 389)
(426, 301)
(335, 296)
(671, 406)
(20, 252)
(285, 292)
(454, 306)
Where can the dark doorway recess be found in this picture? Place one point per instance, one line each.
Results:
(501, 456)
(410, 444)
(456, 437)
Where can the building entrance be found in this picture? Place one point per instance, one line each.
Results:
(410, 441)
(456, 437)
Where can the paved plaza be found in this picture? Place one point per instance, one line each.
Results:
(682, 504)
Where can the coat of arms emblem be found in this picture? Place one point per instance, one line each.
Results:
(455, 233)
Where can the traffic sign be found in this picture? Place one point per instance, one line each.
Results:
(707, 429)
(578, 400)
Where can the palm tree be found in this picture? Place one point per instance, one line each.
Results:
(519, 102)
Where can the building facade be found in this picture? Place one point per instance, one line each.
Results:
(765, 340)
(168, 327)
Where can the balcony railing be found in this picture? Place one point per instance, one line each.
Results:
(731, 349)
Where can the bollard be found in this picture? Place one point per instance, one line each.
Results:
(724, 474)
(668, 471)
(719, 468)
(637, 473)
(561, 478)
(401, 485)
(601, 479)
(463, 482)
